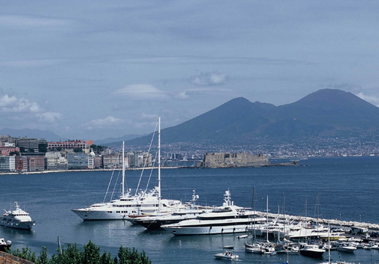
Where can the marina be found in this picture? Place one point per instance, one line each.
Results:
(59, 193)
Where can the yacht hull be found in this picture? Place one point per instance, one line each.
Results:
(207, 230)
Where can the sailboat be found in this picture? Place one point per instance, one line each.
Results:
(329, 260)
(128, 205)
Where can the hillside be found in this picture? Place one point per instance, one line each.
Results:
(325, 113)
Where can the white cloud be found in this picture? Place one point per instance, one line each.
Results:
(48, 117)
(209, 79)
(182, 96)
(369, 98)
(104, 122)
(11, 104)
(141, 91)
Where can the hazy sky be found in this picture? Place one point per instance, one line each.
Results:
(98, 69)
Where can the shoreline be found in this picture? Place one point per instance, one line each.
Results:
(83, 170)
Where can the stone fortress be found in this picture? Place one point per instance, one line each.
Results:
(227, 160)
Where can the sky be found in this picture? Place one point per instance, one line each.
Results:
(99, 69)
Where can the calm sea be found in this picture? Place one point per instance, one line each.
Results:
(347, 189)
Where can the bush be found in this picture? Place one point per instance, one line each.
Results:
(89, 254)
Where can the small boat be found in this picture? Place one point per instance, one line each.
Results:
(5, 245)
(242, 236)
(17, 218)
(346, 247)
(228, 247)
(312, 250)
(226, 255)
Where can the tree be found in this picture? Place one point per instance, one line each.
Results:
(89, 254)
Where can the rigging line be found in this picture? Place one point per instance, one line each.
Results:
(151, 172)
(144, 165)
(109, 184)
(114, 187)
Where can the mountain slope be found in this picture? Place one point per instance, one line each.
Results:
(323, 113)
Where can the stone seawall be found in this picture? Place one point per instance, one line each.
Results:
(6, 258)
(226, 160)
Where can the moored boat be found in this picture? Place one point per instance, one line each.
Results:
(17, 218)
(129, 206)
(226, 255)
(227, 219)
(5, 245)
(311, 250)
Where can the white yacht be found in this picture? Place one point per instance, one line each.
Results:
(346, 247)
(191, 211)
(305, 230)
(227, 219)
(128, 205)
(17, 218)
(311, 250)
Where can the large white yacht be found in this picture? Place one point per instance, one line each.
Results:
(17, 218)
(128, 205)
(191, 211)
(227, 219)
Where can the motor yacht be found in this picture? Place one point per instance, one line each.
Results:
(17, 218)
(226, 219)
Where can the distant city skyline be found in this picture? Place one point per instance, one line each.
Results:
(96, 69)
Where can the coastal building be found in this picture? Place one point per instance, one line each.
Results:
(84, 145)
(112, 161)
(36, 163)
(91, 160)
(139, 159)
(31, 144)
(77, 161)
(55, 161)
(98, 162)
(7, 163)
(223, 160)
(7, 150)
(21, 163)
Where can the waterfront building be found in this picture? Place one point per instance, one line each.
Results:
(77, 160)
(55, 161)
(112, 161)
(36, 163)
(220, 160)
(31, 144)
(7, 164)
(21, 163)
(98, 162)
(91, 160)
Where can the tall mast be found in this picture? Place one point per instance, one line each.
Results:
(123, 169)
(267, 220)
(159, 163)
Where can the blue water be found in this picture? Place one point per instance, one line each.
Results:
(348, 189)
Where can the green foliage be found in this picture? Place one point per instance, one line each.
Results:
(78, 150)
(89, 254)
(97, 148)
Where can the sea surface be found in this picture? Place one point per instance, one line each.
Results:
(347, 189)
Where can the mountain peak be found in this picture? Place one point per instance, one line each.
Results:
(329, 99)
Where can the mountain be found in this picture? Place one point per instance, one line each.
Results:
(325, 113)
(31, 133)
